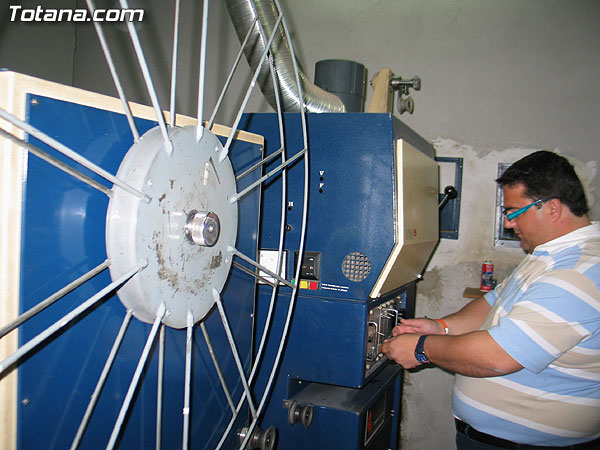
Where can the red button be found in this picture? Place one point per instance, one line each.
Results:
(313, 286)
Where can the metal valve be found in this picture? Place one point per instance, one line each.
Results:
(260, 439)
(298, 413)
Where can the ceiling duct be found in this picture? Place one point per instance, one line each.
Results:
(243, 13)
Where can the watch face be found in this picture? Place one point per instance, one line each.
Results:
(421, 358)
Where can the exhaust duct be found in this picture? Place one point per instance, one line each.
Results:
(243, 13)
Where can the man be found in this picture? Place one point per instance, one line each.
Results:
(527, 354)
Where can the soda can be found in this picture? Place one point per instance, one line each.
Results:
(487, 275)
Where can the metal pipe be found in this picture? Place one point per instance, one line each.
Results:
(242, 13)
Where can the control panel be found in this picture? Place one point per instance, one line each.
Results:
(310, 270)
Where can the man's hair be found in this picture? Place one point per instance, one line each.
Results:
(547, 175)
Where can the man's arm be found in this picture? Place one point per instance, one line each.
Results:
(473, 354)
(469, 318)
(467, 351)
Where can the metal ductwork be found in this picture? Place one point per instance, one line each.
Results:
(243, 13)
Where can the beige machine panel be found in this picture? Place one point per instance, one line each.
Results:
(416, 221)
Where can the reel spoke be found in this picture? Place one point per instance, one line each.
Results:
(215, 360)
(135, 40)
(247, 96)
(101, 380)
(276, 170)
(234, 351)
(56, 163)
(258, 165)
(202, 71)
(260, 266)
(188, 380)
(64, 321)
(160, 386)
(70, 154)
(174, 63)
(253, 274)
(114, 74)
(136, 378)
(53, 298)
(230, 76)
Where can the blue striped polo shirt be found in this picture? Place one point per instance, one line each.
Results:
(546, 315)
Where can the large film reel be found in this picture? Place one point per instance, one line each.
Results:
(168, 209)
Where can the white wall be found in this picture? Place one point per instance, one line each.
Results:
(501, 78)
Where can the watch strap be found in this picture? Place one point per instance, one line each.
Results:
(420, 355)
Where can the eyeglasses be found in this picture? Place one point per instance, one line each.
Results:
(513, 215)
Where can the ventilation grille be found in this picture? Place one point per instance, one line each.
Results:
(356, 266)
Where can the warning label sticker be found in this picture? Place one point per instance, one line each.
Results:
(334, 287)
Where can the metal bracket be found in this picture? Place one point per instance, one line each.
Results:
(384, 85)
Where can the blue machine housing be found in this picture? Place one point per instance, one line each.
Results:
(63, 237)
(351, 191)
(351, 212)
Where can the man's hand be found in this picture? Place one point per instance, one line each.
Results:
(401, 349)
(421, 325)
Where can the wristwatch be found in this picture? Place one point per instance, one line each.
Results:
(420, 350)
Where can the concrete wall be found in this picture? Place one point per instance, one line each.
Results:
(501, 78)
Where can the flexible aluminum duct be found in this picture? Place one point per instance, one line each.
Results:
(316, 99)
